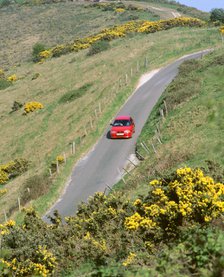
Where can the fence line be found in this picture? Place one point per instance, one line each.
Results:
(117, 87)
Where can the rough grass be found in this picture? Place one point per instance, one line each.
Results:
(44, 134)
(192, 133)
(51, 24)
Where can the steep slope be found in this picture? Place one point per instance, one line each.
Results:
(79, 94)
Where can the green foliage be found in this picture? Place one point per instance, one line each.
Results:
(16, 106)
(185, 85)
(4, 84)
(74, 94)
(98, 47)
(35, 76)
(215, 170)
(98, 236)
(204, 247)
(217, 15)
(34, 187)
(37, 49)
(4, 3)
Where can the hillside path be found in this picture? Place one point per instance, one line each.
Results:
(103, 165)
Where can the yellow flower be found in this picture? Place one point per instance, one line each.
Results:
(129, 259)
(119, 10)
(12, 78)
(137, 202)
(32, 106)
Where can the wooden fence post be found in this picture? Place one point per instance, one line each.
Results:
(73, 147)
(140, 155)
(57, 166)
(127, 171)
(162, 114)
(121, 176)
(132, 163)
(137, 68)
(19, 205)
(100, 111)
(91, 122)
(165, 105)
(120, 82)
(50, 172)
(85, 131)
(6, 219)
(145, 147)
(146, 62)
(157, 136)
(154, 149)
(65, 159)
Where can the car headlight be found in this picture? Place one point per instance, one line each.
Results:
(113, 132)
(127, 131)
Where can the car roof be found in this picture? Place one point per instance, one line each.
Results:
(127, 117)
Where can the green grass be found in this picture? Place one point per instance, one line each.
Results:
(54, 24)
(192, 133)
(39, 137)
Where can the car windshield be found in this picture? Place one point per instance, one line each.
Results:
(122, 122)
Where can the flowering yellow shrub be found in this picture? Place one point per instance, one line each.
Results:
(129, 259)
(12, 78)
(6, 227)
(45, 54)
(4, 177)
(3, 191)
(32, 106)
(60, 159)
(222, 30)
(119, 10)
(12, 169)
(187, 196)
(141, 26)
(42, 264)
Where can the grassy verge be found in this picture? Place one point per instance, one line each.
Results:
(192, 132)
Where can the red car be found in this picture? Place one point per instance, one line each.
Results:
(122, 127)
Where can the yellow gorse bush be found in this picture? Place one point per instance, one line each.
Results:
(222, 30)
(140, 26)
(5, 170)
(32, 106)
(119, 10)
(188, 196)
(60, 159)
(12, 78)
(7, 227)
(3, 191)
(131, 257)
(42, 264)
(4, 177)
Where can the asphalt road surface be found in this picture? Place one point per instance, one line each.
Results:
(100, 167)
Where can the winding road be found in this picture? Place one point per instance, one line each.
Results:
(103, 165)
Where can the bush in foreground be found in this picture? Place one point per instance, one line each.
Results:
(173, 230)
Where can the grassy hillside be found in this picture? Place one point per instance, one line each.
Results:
(39, 139)
(173, 223)
(176, 6)
(53, 24)
(174, 227)
(63, 22)
(192, 131)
